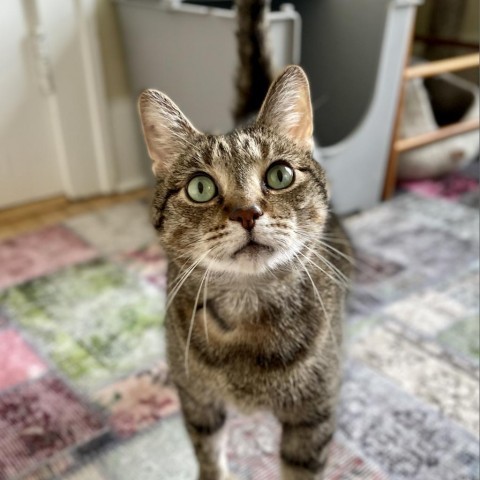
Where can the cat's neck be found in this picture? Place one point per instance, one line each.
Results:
(244, 297)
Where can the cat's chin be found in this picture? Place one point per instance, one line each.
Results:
(252, 250)
(249, 260)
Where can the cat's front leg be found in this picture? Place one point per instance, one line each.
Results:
(205, 419)
(305, 447)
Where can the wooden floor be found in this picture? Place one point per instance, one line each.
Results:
(17, 220)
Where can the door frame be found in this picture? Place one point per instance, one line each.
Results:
(66, 51)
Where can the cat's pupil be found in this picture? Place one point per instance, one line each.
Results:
(280, 176)
(200, 187)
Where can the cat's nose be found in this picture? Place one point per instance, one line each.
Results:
(246, 216)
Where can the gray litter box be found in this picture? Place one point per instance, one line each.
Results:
(189, 52)
(353, 52)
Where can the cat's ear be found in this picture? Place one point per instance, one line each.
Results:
(288, 108)
(166, 129)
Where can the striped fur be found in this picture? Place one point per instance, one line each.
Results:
(257, 330)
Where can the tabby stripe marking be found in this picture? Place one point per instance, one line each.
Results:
(313, 465)
(159, 223)
(319, 419)
(315, 178)
(216, 317)
(211, 429)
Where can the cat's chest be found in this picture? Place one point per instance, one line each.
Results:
(264, 324)
(250, 353)
(247, 305)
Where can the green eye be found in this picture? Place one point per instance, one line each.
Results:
(279, 176)
(201, 189)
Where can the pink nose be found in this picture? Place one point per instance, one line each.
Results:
(246, 216)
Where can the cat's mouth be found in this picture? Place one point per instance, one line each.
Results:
(253, 248)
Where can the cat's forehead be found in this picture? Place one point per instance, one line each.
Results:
(240, 148)
(245, 150)
(236, 161)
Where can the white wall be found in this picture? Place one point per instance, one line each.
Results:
(29, 167)
(67, 121)
(98, 117)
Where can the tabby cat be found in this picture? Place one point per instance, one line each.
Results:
(257, 263)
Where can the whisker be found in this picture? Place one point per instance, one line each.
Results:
(340, 275)
(175, 291)
(192, 322)
(314, 288)
(327, 317)
(299, 271)
(205, 299)
(335, 251)
(320, 241)
(335, 239)
(180, 273)
(356, 261)
(340, 282)
(180, 281)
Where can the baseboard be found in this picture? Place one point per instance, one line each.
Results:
(131, 184)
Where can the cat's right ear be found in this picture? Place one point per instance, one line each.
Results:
(166, 129)
(288, 108)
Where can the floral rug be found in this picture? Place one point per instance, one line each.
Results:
(85, 392)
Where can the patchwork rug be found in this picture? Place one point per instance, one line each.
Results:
(85, 392)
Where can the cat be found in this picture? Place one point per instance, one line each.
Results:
(258, 265)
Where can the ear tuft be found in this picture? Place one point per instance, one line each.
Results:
(165, 128)
(288, 108)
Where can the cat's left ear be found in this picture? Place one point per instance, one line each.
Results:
(166, 129)
(288, 108)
